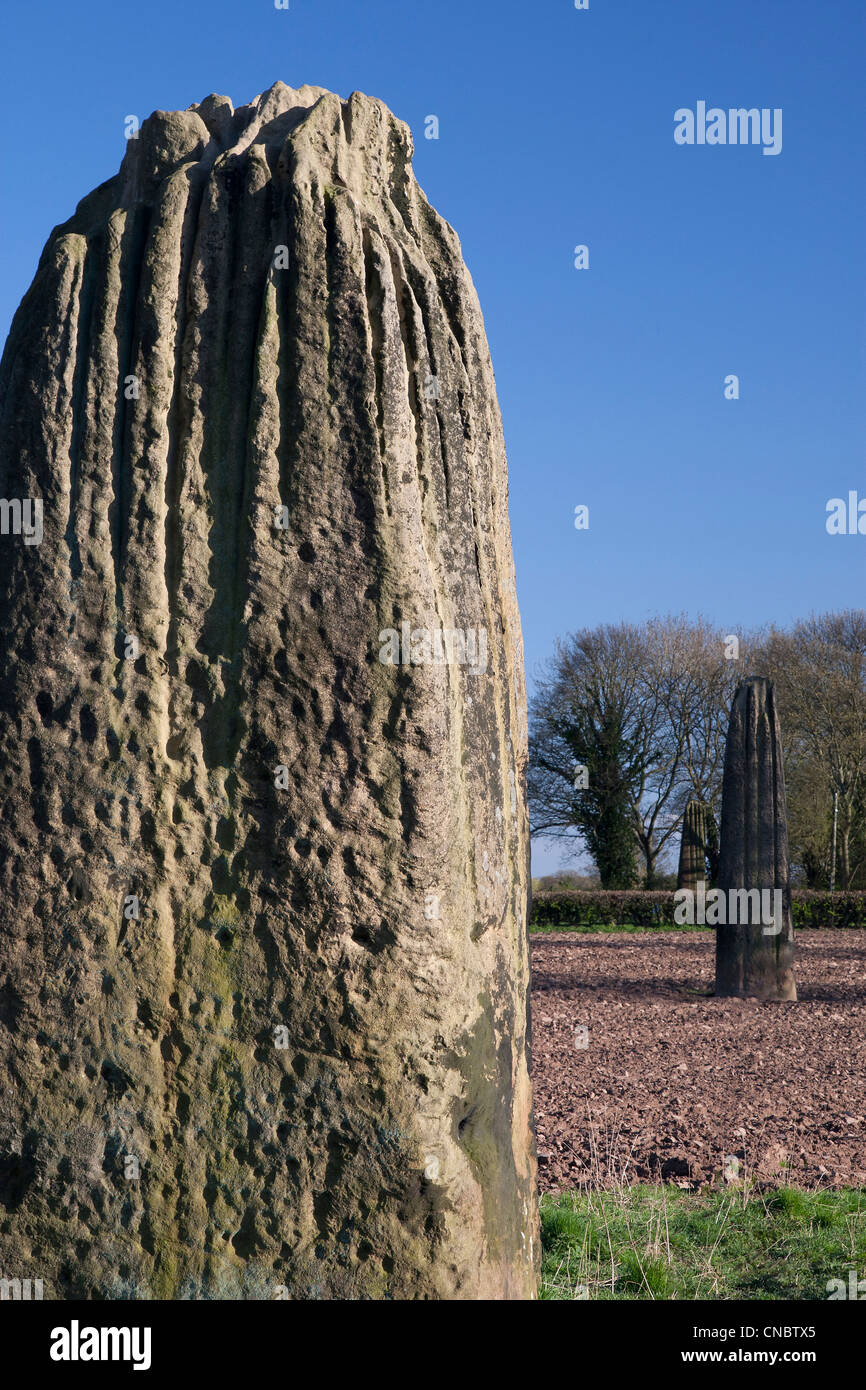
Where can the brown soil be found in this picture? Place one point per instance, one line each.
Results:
(674, 1086)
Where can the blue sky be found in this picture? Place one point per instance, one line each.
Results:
(556, 129)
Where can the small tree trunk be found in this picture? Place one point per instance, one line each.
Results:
(845, 854)
(649, 857)
(752, 959)
(712, 846)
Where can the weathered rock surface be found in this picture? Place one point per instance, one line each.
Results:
(754, 959)
(250, 384)
(696, 845)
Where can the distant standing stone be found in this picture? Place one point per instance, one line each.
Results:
(753, 959)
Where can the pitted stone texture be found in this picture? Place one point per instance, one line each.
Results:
(313, 1038)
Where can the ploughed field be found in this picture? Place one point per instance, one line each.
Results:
(638, 1076)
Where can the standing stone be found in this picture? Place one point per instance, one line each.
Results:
(694, 846)
(752, 958)
(264, 845)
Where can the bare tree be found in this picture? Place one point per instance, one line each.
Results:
(585, 738)
(648, 707)
(820, 671)
(656, 697)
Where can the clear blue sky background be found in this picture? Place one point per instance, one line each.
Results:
(556, 128)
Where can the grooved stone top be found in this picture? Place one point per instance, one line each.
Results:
(263, 837)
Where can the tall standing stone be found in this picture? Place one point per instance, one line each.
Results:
(694, 846)
(263, 844)
(752, 957)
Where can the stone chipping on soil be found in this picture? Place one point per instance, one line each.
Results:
(639, 1076)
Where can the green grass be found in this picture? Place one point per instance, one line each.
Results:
(658, 1242)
